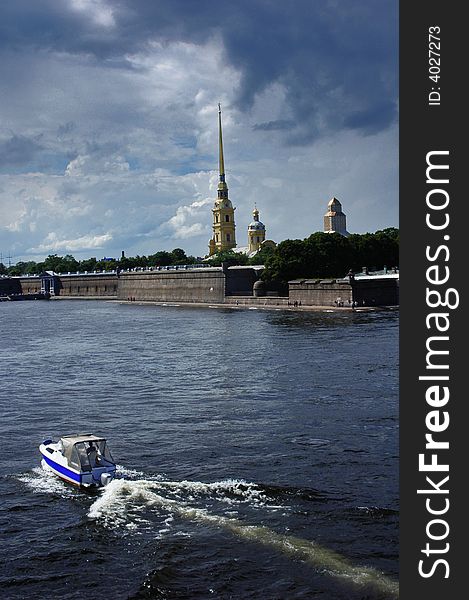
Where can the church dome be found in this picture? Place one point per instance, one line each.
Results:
(256, 226)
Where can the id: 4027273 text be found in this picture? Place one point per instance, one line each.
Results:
(434, 65)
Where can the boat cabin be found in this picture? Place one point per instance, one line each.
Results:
(86, 452)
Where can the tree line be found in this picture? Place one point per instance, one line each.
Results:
(69, 264)
(324, 255)
(320, 255)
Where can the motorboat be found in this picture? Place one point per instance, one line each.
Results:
(81, 459)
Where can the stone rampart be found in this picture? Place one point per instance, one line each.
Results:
(373, 291)
(10, 285)
(320, 292)
(212, 285)
(87, 285)
(240, 280)
(188, 285)
(30, 285)
(376, 291)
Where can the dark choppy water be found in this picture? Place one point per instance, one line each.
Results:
(258, 452)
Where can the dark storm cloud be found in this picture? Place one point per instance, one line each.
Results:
(18, 151)
(278, 125)
(337, 59)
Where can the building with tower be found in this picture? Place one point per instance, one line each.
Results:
(335, 219)
(256, 232)
(223, 212)
(223, 221)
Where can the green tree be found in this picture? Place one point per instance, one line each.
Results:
(29, 267)
(178, 257)
(160, 259)
(328, 255)
(88, 264)
(61, 264)
(288, 261)
(18, 269)
(106, 265)
(126, 263)
(228, 257)
(260, 257)
(324, 255)
(376, 250)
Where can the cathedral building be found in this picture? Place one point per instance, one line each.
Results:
(223, 221)
(335, 219)
(223, 212)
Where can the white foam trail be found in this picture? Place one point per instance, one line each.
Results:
(120, 495)
(242, 490)
(42, 481)
(128, 473)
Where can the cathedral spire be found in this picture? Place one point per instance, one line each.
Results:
(223, 212)
(220, 148)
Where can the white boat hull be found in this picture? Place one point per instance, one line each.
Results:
(53, 460)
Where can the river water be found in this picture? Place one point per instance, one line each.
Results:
(257, 452)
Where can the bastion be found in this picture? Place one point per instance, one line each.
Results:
(205, 285)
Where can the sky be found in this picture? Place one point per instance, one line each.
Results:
(109, 121)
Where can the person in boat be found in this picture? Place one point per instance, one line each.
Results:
(93, 455)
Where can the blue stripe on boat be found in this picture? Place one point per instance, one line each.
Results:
(60, 469)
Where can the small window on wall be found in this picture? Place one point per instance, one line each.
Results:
(228, 237)
(216, 218)
(258, 239)
(216, 237)
(227, 218)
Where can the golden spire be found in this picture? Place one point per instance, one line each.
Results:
(224, 227)
(221, 160)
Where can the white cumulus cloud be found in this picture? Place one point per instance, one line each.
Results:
(88, 242)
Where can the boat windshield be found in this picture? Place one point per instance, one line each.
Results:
(87, 455)
(83, 460)
(104, 450)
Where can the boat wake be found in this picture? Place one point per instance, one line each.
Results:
(44, 481)
(122, 499)
(136, 502)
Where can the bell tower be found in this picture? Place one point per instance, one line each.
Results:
(335, 220)
(223, 212)
(256, 232)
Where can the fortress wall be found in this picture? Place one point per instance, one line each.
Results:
(198, 285)
(30, 285)
(240, 281)
(365, 292)
(99, 284)
(210, 285)
(320, 292)
(376, 292)
(8, 286)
